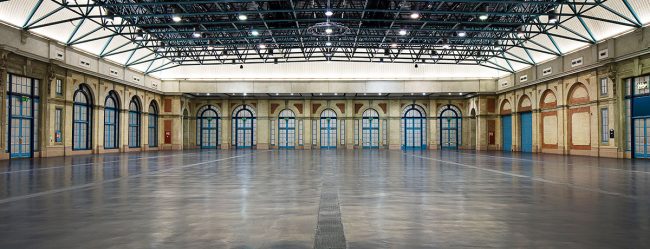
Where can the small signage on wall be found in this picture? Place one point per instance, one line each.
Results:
(642, 85)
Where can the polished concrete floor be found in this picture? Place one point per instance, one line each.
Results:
(324, 199)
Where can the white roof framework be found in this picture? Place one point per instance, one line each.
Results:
(83, 24)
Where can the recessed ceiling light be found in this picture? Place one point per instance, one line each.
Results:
(446, 46)
(244, 94)
(462, 33)
(321, 94)
(402, 32)
(291, 94)
(552, 17)
(336, 94)
(424, 93)
(329, 13)
(176, 18)
(328, 30)
(393, 45)
(379, 94)
(242, 17)
(460, 93)
(139, 35)
(255, 33)
(415, 15)
(262, 46)
(483, 17)
(449, 93)
(196, 34)
(328, 44)
(276, 94)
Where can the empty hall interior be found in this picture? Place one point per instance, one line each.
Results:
(324, 124)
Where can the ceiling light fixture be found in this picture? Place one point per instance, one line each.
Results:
(520, 32)
(552, 17)
(328, 44)
(241, 67)
(262, 46)
(161, 48)
(402, 32)
(244, 94)
(415, 15)
(140, 35)
(242, 17)
(446, 46)
(329, 13)
(484, 16)
(328, 31)
(108, 16)
(416, 65)
(424, 94)
(255, 33)
(393, 45)
(462, 33)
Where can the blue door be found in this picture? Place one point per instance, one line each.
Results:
(506, 132)
(21, 131)
(641, 131)
(526, 131)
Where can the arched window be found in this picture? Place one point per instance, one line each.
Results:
(370, 129)
(81, 119)
(186, 129)
(134, 123)
(328, 129)
(243, 125)
(414, 135)
(111, 121)
(450, 127)
(152, 125)
(208, 126)
(287, 129)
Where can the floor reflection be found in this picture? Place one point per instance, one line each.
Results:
(270, 199)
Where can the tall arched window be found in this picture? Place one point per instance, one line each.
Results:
(287, 129)
(208, 126)
(370, 129)
(81, 119)
(111, 121)
(244, 123)
(134, 123)
(328, 129)
(186, 129)
(450, 127)
(414, 135)
(152, 126)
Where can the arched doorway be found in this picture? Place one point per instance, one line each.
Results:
(152, 126)
(111, 121)
(286, 129)
(81, 119)
(450, 127)
(244, 123)
(328, 129)
(135, 122)
(414, 125)
(370, 129)
(208, 124)
(186, 129)
(472, 129)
